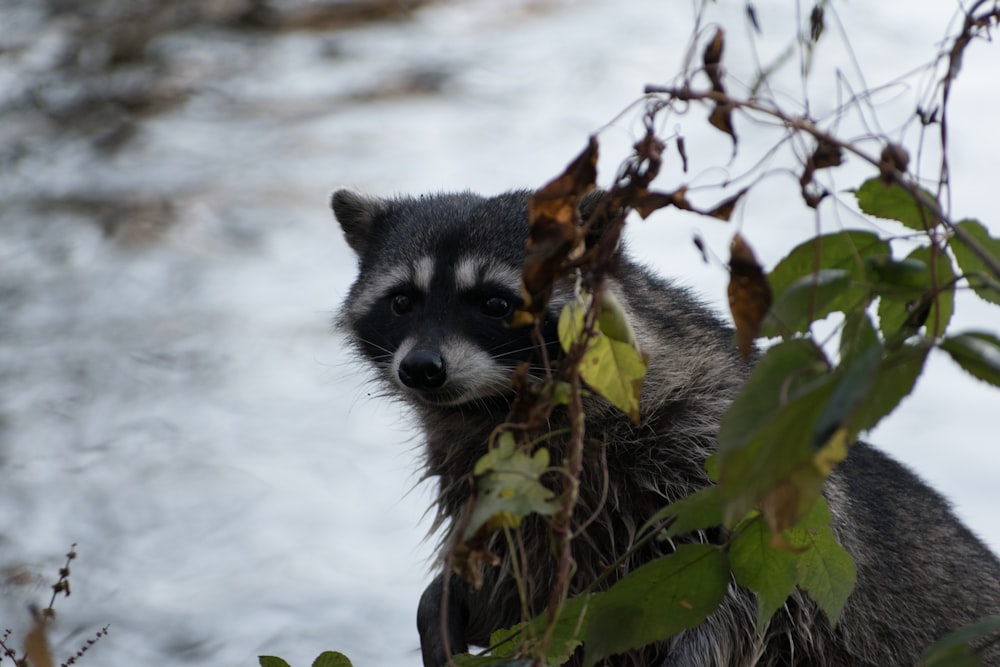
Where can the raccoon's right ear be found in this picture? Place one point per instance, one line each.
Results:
(355, 212)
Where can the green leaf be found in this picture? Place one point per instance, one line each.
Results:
(889, 273)
(566, 635)
(857, 336)
(769, 572)
(769, 430)
(508, 487)
(806, 300)
(846, 250)
(902, 311)
(894, 202)
(976, 352)
(983, 282)
(825, 570)
(612, 368)
(797, 361)
(656, 601)
(698, 511)
(953, 649)
(854, 384)
(331, 659)
(897, 374)
(271, 661)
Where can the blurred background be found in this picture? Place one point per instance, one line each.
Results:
(172, 396)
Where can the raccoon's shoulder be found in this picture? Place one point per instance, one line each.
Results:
(691, 352)
(662, 308)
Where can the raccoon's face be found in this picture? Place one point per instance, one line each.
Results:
(439, 280)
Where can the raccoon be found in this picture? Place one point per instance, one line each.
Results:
(437, 284)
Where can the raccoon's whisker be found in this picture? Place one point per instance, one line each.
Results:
(381, 348)
(498, 350)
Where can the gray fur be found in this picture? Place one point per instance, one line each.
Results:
(921, 573)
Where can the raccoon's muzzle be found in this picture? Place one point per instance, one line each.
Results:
(422, 368)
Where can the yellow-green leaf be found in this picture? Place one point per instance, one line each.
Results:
(614, 322)
(509, 487)
(612, 368)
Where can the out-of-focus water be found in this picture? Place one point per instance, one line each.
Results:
(172, 397)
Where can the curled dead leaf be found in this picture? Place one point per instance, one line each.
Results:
(647, 201)
(894, 159)
(827, 154)
(722, 119)
(468, 562)
(724, 209)
(749, 294)
(555, 234)
(712, 59)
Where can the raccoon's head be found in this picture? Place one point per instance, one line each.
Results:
(438, 281)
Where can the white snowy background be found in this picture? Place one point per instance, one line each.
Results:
(181, 408)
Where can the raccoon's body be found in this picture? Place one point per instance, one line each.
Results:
(438, 281)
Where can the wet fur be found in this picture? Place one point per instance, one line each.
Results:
(921, 573)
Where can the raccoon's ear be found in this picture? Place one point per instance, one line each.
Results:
(355, 212)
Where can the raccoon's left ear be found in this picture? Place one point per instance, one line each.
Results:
(355, 212)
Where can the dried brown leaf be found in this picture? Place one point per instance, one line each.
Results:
(468, 563)
(827, 154)
(894, 158)
(712, 59)
(648, 151)
(724, 210)
(749, 294)
(646, 202)
(722, 119)
(555, 234)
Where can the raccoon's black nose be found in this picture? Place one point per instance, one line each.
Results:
(422, 369)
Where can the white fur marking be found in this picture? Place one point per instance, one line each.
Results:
(472, 372)
(466, 273)
(423, 273)
(472, 272)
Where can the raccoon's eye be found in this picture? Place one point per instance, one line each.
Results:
(495, 306)
(402, 304)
